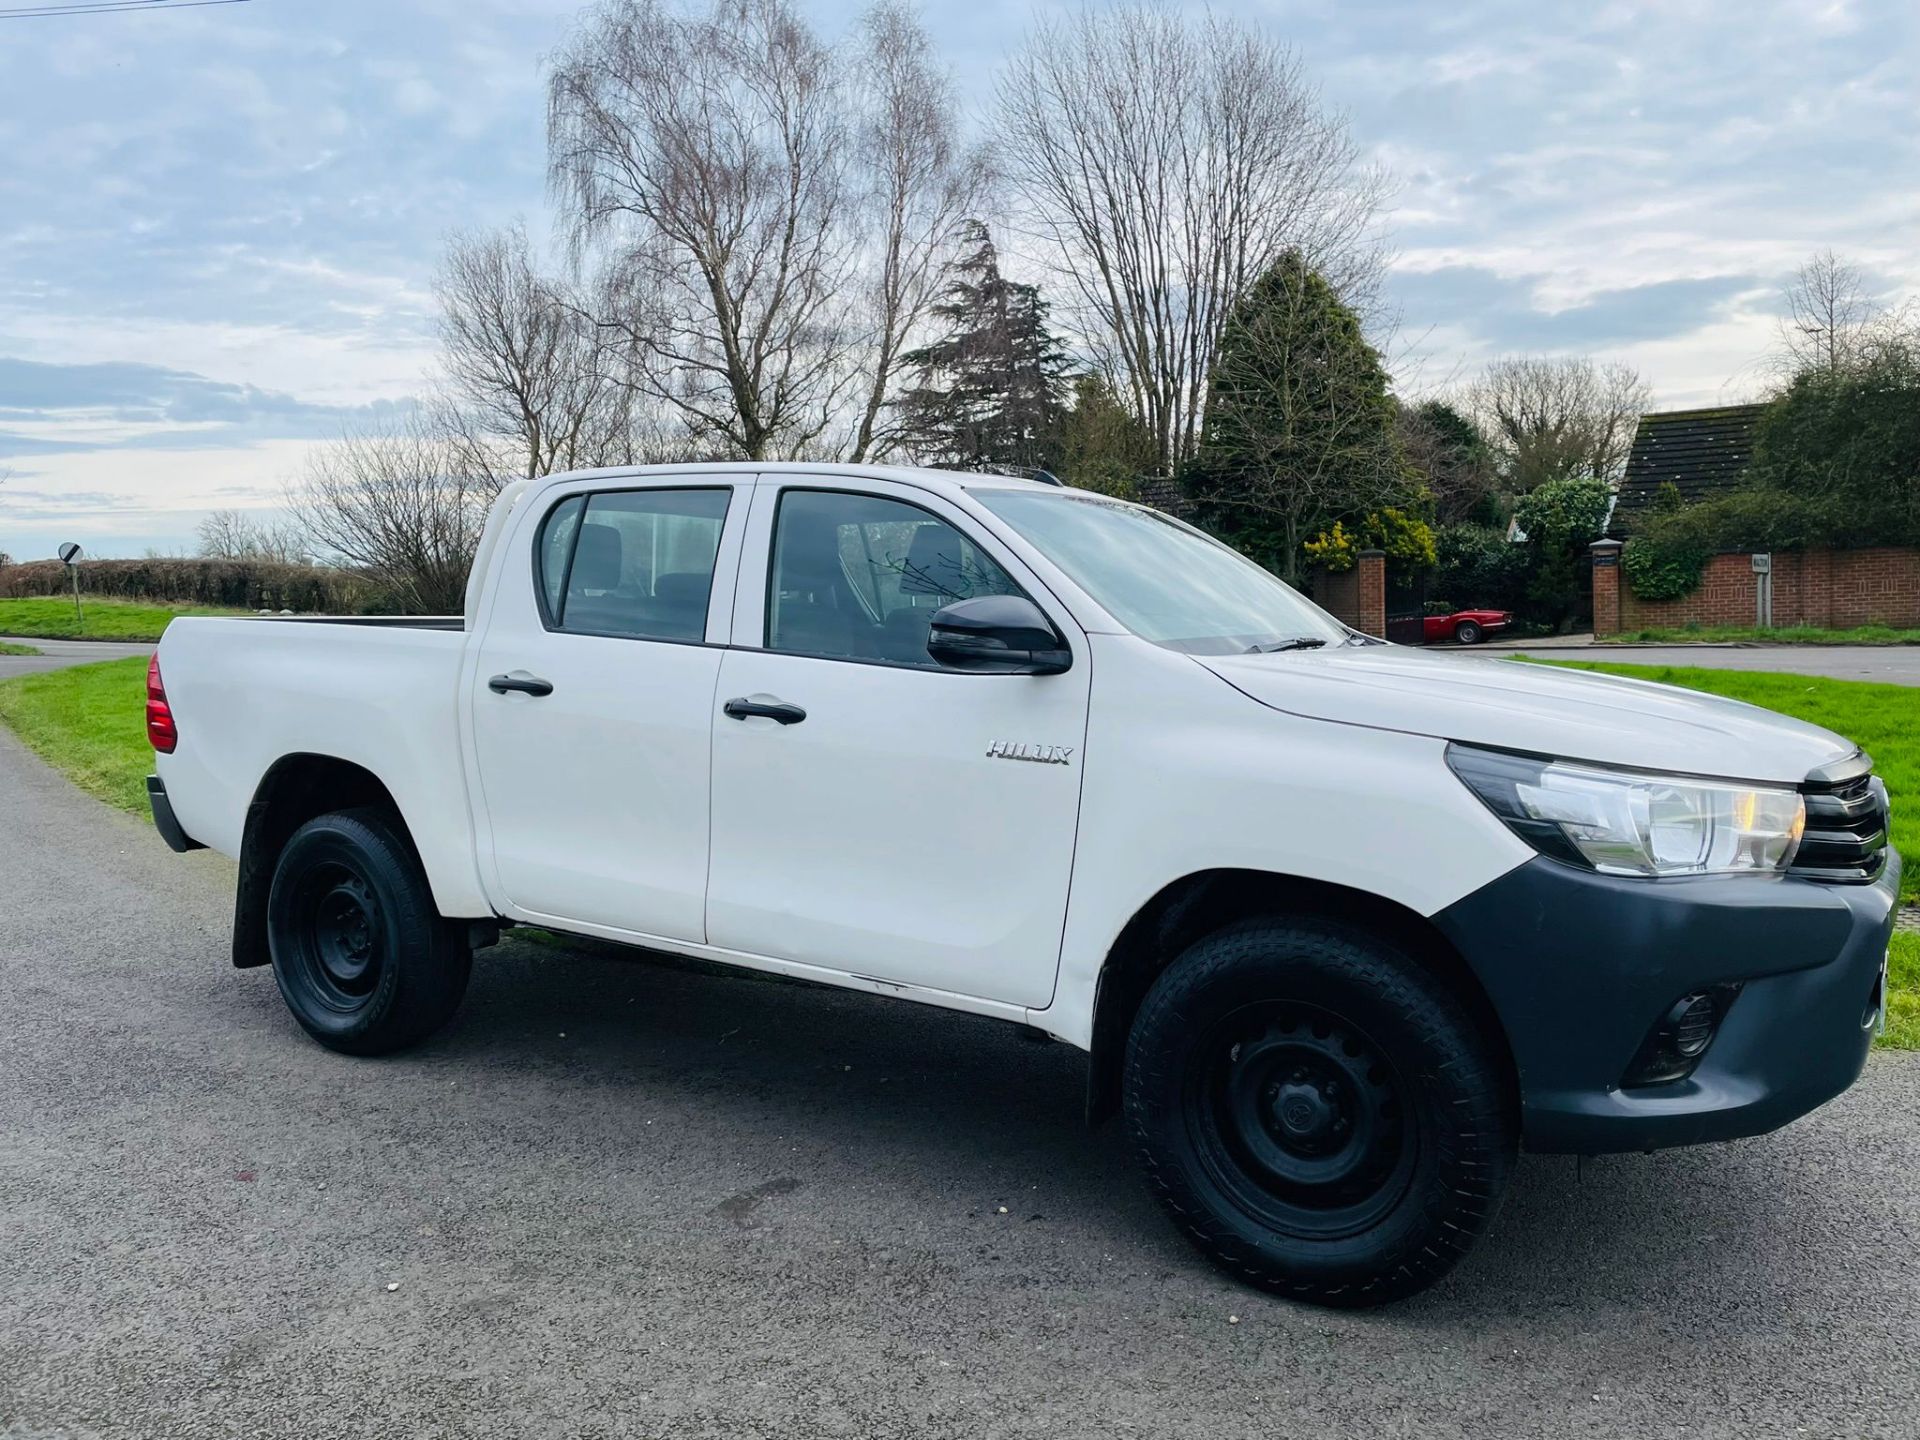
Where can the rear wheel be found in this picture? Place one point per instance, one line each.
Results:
(363, 959)
(1468, 632)
(1316, 1112)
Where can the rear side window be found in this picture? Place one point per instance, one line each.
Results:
(635, 563)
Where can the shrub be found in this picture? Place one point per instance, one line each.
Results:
(1662, 567)
(1406, 539)
(1561, 519)
(236, 584)
(1478, 566)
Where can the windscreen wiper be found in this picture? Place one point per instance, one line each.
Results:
(1293, 642)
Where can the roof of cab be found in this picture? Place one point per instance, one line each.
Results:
(912, 475)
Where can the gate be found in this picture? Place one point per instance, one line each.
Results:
(1406, 606)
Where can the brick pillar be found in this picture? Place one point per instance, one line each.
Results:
(1370, 573)
(1606, 586)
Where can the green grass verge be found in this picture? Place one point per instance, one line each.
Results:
(9, 649)
(1903, 994)
(1786, 635)
(88, 722)
(133, 620)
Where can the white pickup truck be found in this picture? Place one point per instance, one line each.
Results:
(1342, 925)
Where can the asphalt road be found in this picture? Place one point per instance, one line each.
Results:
(621, 1198)
(59, 654)
(1887, 664)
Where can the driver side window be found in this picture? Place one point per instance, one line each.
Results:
(858, 577)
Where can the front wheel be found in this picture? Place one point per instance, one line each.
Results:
(363, 959)
(1317, 1112)
(1468, 632)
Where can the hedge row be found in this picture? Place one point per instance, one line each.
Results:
(235, 584)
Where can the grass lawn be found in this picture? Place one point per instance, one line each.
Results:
(89, 723)
(10, 649)
(1788, 635)
(105, 619)
(1903, 994)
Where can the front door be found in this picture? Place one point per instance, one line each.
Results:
(590, 707)
(913, 824)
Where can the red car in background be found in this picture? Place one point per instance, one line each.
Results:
(1468, 627)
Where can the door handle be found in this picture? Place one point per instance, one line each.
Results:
(742, 707)
(525, 684)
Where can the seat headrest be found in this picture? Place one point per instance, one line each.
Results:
(596, 559)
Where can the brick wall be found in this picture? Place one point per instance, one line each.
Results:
(1357, 597)
(1832, 589)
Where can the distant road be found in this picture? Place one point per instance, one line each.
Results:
(1888, 664)
(58, 654)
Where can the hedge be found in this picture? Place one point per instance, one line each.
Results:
(235, 584)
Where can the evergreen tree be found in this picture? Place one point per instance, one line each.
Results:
(986, 395)
(1104, 446)
(1300, 427)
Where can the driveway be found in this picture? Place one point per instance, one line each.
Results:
(59, 654)
(623, 1198)
(1888, 664)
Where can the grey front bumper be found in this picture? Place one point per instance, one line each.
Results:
(1580, 966)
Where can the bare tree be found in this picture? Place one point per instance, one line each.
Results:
(242, 535)
(922, 184)
(399, 503)
(709, 154)
(531, 388)
(1559, 418)
(1165, 162)
(1827, 308)
(1833, 322)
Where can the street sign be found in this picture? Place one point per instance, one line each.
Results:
(69, 553)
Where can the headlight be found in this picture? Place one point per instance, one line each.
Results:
(1620, 822)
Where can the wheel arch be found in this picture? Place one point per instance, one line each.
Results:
(1198, 904)
(294, 790)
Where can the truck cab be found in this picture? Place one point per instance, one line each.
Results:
(1340, 925)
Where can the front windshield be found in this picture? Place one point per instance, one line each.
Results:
(1166, 582)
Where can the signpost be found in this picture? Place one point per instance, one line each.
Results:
(70, 557)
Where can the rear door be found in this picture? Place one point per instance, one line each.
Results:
(917, 824)
(591, 700)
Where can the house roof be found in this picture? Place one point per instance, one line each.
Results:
(1701, 453)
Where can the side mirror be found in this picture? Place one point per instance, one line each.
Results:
(998, 635)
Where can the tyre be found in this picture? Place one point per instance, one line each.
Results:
(363, 959)
(1468, 632)
(1317, 1112)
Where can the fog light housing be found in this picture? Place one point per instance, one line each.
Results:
(1679, 1038)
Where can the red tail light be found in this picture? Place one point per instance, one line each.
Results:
(160, 729)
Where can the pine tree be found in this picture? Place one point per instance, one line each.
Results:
(986, 395)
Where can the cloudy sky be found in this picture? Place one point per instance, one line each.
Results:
(218, 224)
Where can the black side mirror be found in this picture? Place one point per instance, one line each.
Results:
(999, 635)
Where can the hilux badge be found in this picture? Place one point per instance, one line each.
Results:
(1038, 754)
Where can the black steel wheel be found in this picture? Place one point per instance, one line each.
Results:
(362, 958)
(1317, 1112)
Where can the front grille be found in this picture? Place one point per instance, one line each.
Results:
(1846, 837)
